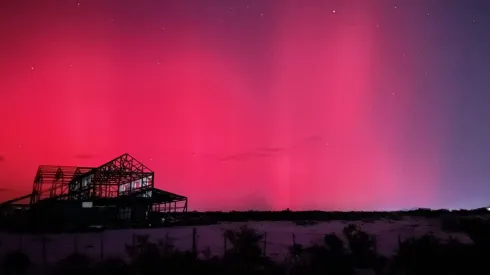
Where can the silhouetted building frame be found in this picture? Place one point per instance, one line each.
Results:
(121, 191)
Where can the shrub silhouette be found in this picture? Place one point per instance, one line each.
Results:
(319, 259)
(76, 264)
(296, 250)
(336, 255)
(245, 255)
(151, 258)
(329, 258)
(429, 255)
(16, 263)
(478, 230)
(451, 223)
(245, 244)
(334, 243)
(362, 247)
(112, 266)
(142, 249)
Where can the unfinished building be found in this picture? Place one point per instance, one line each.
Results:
(118, 193)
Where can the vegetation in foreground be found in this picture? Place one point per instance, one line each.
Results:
(424, 255)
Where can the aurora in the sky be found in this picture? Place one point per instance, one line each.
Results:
(241, 104)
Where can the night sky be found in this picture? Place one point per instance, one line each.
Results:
(333, 105)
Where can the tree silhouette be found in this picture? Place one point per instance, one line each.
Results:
(245, 244)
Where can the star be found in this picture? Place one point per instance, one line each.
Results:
(428, 14)
(261, 14)
(32, 67)
(334, 11)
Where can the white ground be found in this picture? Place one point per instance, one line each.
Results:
(210, 237)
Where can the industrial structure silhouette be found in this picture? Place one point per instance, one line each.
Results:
(118, 193)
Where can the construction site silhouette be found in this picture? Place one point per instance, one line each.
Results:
(119, 193)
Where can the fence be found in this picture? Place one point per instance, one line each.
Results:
(205, 240)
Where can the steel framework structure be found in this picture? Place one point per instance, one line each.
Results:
(54, 181)
(124, 182)
(122, 177)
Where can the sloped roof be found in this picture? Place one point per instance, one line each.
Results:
(52, 172)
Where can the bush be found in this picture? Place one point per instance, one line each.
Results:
(478, 230)
(450, 223)
(142, 249)
(245, 245)
(429, 255)
(16, 263)
(151, 258)
(112, 266)
(424, 255)
(363, 247)
(334, 243)
(73, 264)
(329, 258)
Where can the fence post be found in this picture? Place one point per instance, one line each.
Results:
(134, 241)
(20, 242)
(294, 248)
(375, 245)
(43, 245)
(75, 243)
(194, 245)
(265, 244)
(101, 246)
(224, 244)
(167, 245)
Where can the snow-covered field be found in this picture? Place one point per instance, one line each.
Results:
(279, 236)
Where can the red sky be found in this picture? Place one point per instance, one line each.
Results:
(237, 105)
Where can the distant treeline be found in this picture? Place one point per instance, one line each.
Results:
(206, 218)
(287, 215)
